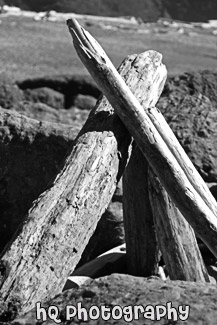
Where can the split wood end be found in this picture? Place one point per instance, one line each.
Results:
(84, 42)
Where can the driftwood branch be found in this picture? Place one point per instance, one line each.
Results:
(49, 244)
(159, 156)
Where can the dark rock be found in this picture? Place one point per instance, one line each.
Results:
(45, 95)
(193, 119)
(10, 94)
(86, 102)
(125, 290)
(194, 83)
(68, 85)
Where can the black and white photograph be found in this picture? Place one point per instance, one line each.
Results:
(108, 162)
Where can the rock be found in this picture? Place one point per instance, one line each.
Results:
(126, 290)
(45, 95)
(68, 85)
(10, 94)
(193, 119)
(38, 111)
(85, 102)
(43, 112)
(194, 83)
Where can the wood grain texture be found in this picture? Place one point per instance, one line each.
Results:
(156, 151)
(141, 243)
(58, 226)
(175, 236)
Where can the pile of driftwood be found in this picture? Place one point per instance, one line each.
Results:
(164, 198)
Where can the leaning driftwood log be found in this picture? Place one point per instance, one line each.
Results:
(31, 154)
(141, 243)
(158, 154)
(175, 236)
(47, 248)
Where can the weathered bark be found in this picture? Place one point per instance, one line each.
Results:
(141, 244)
(59, 224)
(159, 156)
(176, 238)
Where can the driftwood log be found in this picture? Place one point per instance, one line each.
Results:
(35, 266)
(175, 236)
(31, 154)
(161, 159)
(141, 243)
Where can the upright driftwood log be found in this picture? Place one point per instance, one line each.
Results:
(58, 226)
(164, 164)
(175, 236)
(141, 242)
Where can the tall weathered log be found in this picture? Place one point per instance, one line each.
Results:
(58, 226)
(141, 244)
(176, 237)
(159, 156)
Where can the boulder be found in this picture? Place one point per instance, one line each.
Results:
(85, 102)
(193, 119)
(192, 83)
(10, 94)
(125, 290)
(45, 95)
(43, 112)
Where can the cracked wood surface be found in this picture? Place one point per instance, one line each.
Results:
(141, 243)
(160, 157)
(175, 236)
(57, 228)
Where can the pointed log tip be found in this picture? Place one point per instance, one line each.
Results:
(72, 22)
